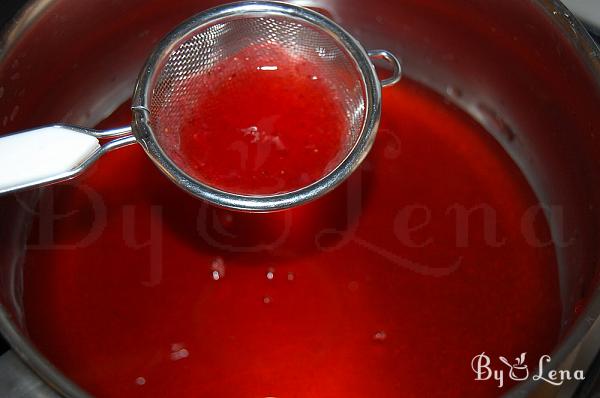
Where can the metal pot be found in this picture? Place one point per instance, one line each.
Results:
(521, 68)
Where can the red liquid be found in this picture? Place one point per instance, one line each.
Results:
(354, 306)
(263, 123)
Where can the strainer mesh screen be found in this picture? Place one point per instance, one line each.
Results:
(175, 92)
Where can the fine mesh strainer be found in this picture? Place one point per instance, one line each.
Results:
(166, 91)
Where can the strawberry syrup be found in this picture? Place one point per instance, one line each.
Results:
(264, 122)
(382, 288)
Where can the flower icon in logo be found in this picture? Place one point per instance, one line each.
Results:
(519, 370)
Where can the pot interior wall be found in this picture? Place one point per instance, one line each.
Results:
(507, 63)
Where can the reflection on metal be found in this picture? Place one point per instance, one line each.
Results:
(18, 381)
(587, 10)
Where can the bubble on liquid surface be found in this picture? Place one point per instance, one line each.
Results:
(290, 276)
(178, 351)
(267, 300)
(140, 381)
(271, 274)
(380, 335)
(217, 267)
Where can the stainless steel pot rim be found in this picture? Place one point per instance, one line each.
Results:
(573, 29)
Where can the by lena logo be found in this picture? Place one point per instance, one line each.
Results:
(518, 370)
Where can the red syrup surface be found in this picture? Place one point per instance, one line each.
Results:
(371, 291)
(264, 122)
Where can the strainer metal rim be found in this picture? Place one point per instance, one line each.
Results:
(257, 203)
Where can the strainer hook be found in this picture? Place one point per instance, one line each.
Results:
(393, 61)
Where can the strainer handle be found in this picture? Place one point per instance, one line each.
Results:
(52, 154)
(391, 59)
